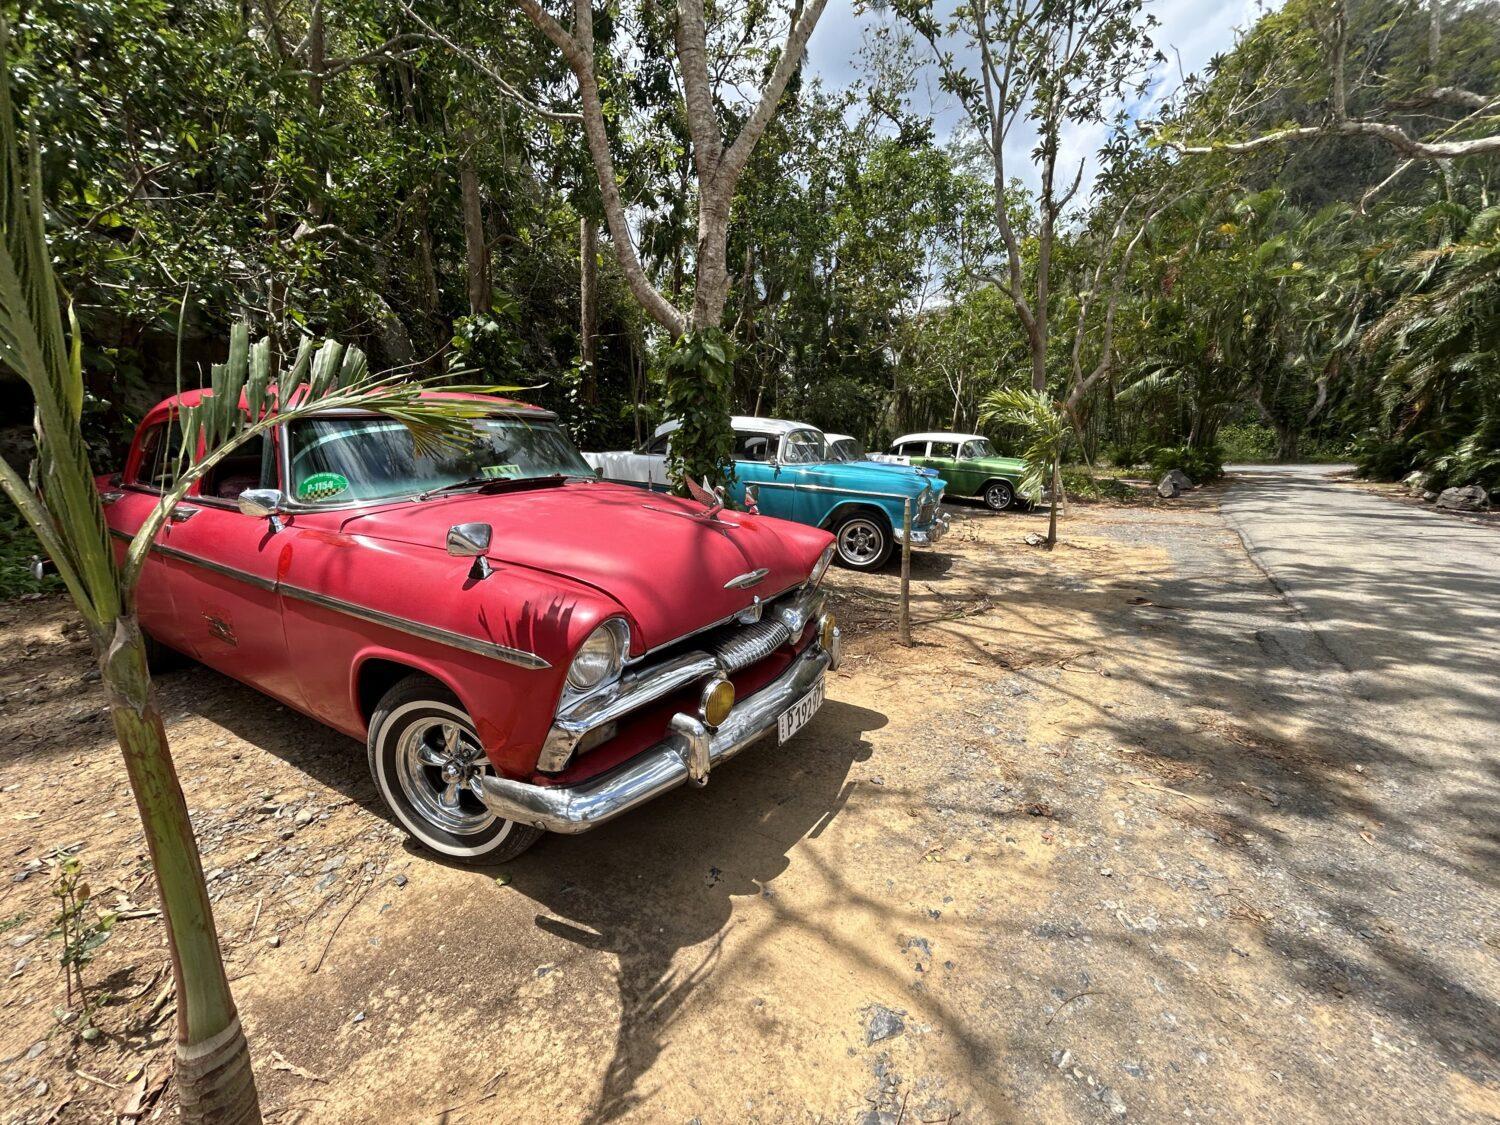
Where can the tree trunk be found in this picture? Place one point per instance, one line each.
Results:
(214, 1077)
(476, 249)
(1434, 34)
(588, 306)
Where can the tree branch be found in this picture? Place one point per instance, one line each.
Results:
(791, 58)
(505, 88)
(578, 52)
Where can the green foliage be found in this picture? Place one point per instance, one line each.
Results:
(1439, 350)
(699, 373)
(1082, 484)
(1201, 464)
(81, 928)
(1247, 442)
(1043, 427)
(17, 547)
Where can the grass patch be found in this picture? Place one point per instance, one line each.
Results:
(17, 546)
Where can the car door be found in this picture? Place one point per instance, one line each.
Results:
(225, 569)
(755, 463)
(150, 468)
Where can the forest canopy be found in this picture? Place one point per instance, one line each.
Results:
(1298, 255)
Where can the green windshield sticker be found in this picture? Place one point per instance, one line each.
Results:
(499, 471)
(323, 486)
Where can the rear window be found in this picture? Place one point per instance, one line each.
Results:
(157, 467)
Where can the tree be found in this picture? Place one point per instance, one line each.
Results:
(1330, 25)
(1045, 431)
(63, 509)
(698, 379)
(1046, 64)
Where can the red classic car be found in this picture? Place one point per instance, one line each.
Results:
(522, 646)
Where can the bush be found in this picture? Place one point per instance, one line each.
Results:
(1129, 454)
(1079, 484)
(17, 545)
(1201, 465)
(1247, 442)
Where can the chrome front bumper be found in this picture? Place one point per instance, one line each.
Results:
(927, 536)
(688, 753)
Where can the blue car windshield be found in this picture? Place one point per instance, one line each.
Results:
(804, 447)
(342, 459)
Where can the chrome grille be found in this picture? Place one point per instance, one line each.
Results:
(745, 646)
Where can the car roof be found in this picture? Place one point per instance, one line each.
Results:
(747, 422)
(838, 437)
(938, 437)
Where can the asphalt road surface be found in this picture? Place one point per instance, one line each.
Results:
(1407, 601)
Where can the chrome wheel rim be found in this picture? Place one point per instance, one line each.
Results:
(998, 496)
(861, 541)
(437, 762)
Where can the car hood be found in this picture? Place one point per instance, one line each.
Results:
(647, 551)
(862, 476)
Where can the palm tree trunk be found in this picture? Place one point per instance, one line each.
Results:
(214, 1079)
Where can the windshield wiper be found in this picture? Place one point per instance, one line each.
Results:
(499, 482)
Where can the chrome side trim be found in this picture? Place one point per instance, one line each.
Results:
(840, 491)
(572, 809)
(751, 578)
(519, 657)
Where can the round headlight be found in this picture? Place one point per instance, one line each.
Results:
(599, 657)
(718, 701)
(820, 567)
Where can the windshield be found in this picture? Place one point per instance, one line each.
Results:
(344, 459)
(804, 447)
(979, 447)
(845, 449)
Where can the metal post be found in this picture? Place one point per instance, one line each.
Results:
(906, 571)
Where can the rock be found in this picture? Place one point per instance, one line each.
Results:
(1180, 479)
(883, 1024)
(1470, 498)
(1111, 1100)
(1167, 488)
(274, 941)
(399, 880)
(303, 818)
(1429, 496)
(1416, 481)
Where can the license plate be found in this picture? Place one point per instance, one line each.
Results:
(795, 717)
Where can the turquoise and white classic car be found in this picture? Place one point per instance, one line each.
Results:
(786, 470)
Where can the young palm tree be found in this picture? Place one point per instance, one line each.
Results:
(62, 507)
(1046, 431)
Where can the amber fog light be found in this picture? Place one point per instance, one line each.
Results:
(718, 701)
(831, 639)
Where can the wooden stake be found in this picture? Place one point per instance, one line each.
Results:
(906, 572)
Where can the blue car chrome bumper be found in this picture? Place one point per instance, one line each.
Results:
(927, 536)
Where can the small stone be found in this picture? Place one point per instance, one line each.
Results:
(274, 941)
(400, 880)
(359, 1017)
(884, 1023)
(303, 818)
(325, 882)
(1062, 1059)
(1111, 1100)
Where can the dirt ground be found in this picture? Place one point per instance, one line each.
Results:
(1082, 853)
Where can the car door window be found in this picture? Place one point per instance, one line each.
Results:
(804, 447)
(943, 449)
(157, 467)
(971, 451)
(753, 446)
(247, 467)
(658, 446)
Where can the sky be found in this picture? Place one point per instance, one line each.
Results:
(1191, 30)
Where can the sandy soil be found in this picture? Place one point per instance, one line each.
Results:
(1047, 864)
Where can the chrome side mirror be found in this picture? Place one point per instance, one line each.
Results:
(472, 541)
(263, 504)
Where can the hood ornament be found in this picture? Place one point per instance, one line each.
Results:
(712, 499)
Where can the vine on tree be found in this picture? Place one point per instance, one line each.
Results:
(699, 389)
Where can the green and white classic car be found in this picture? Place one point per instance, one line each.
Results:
(967, 462)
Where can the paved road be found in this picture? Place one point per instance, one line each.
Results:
(1407, 599)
